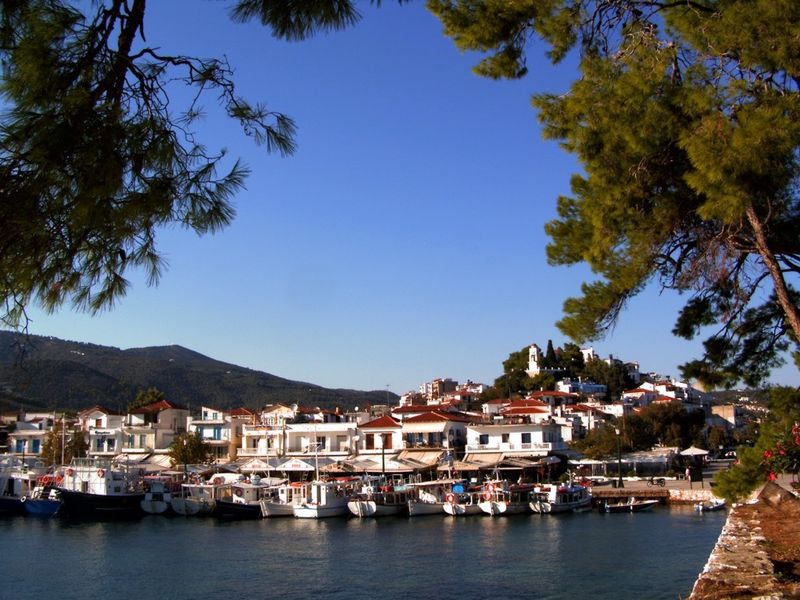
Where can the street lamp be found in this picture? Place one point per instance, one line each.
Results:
(620, 483)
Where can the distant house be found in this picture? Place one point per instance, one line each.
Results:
(435, 429)
(513, 440)
(103, 427)
(214, 427)
(380, 435)
(28, 437)
(153, 428)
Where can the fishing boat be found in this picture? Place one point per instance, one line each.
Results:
(552, 499)
(325, 499)
(381, 501)
(285, 498)
(429, 498)
(243, 498)
(630, 505)
(157, 497)
(45, 499)
(464, 503)
(710, 505)
(15, 484)
(198, 498)
(94, 488)
(502, 499)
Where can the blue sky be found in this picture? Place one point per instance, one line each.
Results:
(402, 242)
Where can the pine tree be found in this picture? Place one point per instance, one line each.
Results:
(686, 119)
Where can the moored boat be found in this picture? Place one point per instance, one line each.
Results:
(92, 488)
(157, 497)
(285, 498)
(15, 483)
(45, 499)
(710, 506)
(243, 499)
(325, 499)
(198, 498)
(552, 499)
(630, 505)
(502, 499)
(463, 503)
(383, 501)
(429, 498)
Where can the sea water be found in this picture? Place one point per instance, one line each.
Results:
(650, 555)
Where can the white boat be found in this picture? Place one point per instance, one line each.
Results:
(16, 482)
(631, 505)
(199, 499)
(286, 497)
(325, 499)
(157, 497)
(710, 506)
(502, 499)
(94, 488)
(552, 499)
(430, 496)
(385, 500)
(462, 504)
(242, 500)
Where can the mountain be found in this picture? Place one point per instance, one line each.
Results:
(46, 373)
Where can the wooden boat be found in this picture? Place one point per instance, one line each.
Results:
(429, 496)
(198, 499)
(285, 498)
(631, 505)
(325, 499)
(45, 499)
(243, 499)
(710, 506)
(93, 488)
(502, 499)
(463, 504)
(552, 499)
(385, 500)
(157, 498)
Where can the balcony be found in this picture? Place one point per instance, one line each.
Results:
(508, 447)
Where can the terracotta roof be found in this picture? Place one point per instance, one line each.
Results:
(528, 402)
(554, 393)
(241, 412)
(415, 408)
(156, 407)
(639, 391)
(98, 408)
(525, 410)
(432, 416)
(381, 423)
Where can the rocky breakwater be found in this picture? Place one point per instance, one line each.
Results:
(758, 552)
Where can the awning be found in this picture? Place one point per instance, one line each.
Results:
(693, 451)
(258, 464)
(484, 458)
(296, 464)
(424, 458)
(426, 427)
(131, 458)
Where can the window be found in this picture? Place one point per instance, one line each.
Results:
(142, 441)
(98, 444)
(321, 442)
(130, 441)
(483, 439)
(19, 446)
(526, 438)
(111, 443)
(217, 433)
(504, 438)
(36, 446)
(370, 441)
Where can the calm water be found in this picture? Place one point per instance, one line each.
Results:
(590, 555)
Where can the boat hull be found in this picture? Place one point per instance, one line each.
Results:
(370, 508)
(227, 509)
(639, 506)
(11, 505)
(307, 511)
(41, 507)
(193, 507)
(419, 509)
(100, 506)
(560, 507)
(461, 510)
(276, 509)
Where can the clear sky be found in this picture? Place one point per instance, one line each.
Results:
(402, 242)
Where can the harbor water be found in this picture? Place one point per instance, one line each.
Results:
(650, 555)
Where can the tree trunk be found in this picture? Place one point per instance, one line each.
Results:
(781, 289)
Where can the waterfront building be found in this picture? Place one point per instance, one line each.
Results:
(153, 428)
(216, 429)
(103, 428)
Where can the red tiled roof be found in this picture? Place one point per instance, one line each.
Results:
(382, 423)
(528, 402)
(98, 408)
(554, 393)
(415, 408)
(525, 410)
(242, 412)
(435, 415)
(157, 407)
(639, 391)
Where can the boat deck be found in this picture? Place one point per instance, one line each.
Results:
(605, 494)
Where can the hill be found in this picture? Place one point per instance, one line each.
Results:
(46, 373)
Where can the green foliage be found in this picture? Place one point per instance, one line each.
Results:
(685, 120)
(673, 425)
(145, 398)
(76, 445)
(188, 449)
(777, 449)
(614, 377)
(97, 155)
